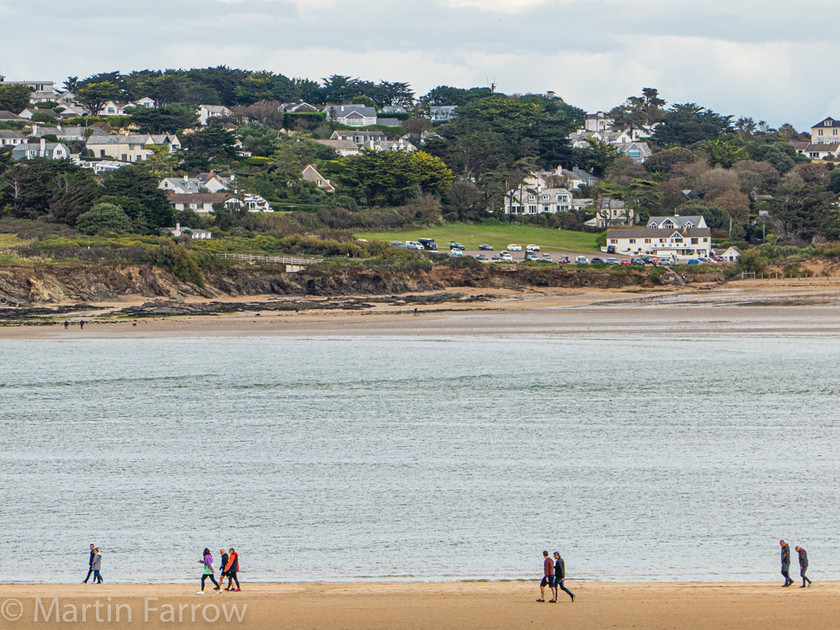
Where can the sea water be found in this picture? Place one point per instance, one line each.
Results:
(637, 457)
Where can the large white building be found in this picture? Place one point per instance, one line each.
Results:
(674, 237)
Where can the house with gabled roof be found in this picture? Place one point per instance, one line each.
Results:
(130, 148)
(351, 115)
(42, 149)
(818, 150)
(345, 148)
(7, 115)
(11, 138)
(311, 174)
(677, 222)
(206, 112)
(673, 237)
(827, 131)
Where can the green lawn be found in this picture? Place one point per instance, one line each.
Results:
(499, 236)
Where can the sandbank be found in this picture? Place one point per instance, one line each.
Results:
(750, 306)
(409, 606)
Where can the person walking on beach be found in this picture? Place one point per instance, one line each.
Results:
(207, 562)
(223, 561)
(803, 566)
(90, 564)
(96, 564)
(559, 577)
(232, 568)
(548, 576)
(786, 563)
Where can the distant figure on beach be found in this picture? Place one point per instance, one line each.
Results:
(415, 311)
(66, 324)
(548, 576)
(90, 563)
(786, 563)
(559, 577)
(96, 565)
(803, 566)
(232, 568)
(207, 562)
(81, 324)
(223, 562)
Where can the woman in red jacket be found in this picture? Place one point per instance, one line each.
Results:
(232, 569)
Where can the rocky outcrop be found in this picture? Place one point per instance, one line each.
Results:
(50, 284)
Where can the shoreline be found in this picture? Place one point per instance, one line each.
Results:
(738, 307)
(416, 605)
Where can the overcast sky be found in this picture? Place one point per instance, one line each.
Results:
(769, 59)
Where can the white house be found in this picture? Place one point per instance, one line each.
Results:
(345, 148)
(351, 115)
(201, 202)
(597, 122)
(636, 151)
(311, 174)
(443, 113)
(42, 149)
(611, 212)
(818, 150)
(130, 148)
(206, 112)
(204, 182)
(11, 138)
(537, 200)
(730, 254)
(111, 109)
(146, 102)
(826, 131)
(255, 203)
(677, 238)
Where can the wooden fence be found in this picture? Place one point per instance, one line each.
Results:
(276, 260)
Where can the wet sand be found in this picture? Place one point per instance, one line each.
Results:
(409, 606)
(805, 306)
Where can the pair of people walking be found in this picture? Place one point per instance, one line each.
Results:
(94, 565)
(803, 565)
(229, 567)
(554, 576)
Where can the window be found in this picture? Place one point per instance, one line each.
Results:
(647, 240)
(532, 209)
(694, 241)
(632, 241)
(634, 153)
(819, 132)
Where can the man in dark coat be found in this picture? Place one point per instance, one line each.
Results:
(786, 563)
(803, 566)
(90, 563)
(559, 577)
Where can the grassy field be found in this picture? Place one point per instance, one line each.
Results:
(10, 240)
(499, 236)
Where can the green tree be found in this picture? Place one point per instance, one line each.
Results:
(14, 98)
(213, 143)
(598, 156)
(104, 218)
(93, 96)
(803, 211)
(724, 152)
(687, 124)
(56, 190)
(172, 118)
(135, 189)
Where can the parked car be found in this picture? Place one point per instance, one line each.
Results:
(513, 247)
(581, 260)
(532, 248)
(485, 247)
(456, 252)
(611, 261)
(546, 257)
(596, 260)
(497, 256)
(664, 261)
(454, 245)
(649, 260)
(626, 262)
(414, 245)
(481, 257)
(428, 243)
(532, 257)
(693, 261)
(638, 261)
(565, 259)
(397, 244)
(507, 257)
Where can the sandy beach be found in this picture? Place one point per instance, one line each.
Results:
(463, 605)
(807, 305)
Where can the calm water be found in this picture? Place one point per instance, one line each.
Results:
(665, 458)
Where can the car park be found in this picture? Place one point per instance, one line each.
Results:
(581, 260)
(532, 248)
(485, 247)
(480, 257)
(596, 260)
(513, 247)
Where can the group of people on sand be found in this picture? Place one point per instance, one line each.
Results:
(228, 567)
(554, 574)
(94, 565)
(803, 565)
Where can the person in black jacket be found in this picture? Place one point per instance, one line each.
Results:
(786, 563)
(222, 571)
(559, 577)
(803, 566)
(90, 563)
